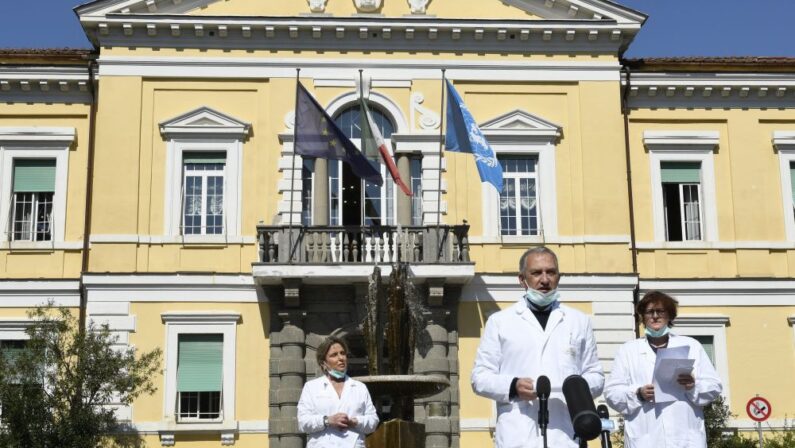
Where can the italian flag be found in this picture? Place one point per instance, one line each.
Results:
(372, 140)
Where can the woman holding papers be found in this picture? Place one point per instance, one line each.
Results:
(661, 382)
(334, 409)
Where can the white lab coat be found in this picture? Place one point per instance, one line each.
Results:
(514, 345)
(319, 399)
(670, 425)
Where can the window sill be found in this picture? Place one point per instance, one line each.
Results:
(41, 246)
(228, 430)
(714, 245)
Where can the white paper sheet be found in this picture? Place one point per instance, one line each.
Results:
(671, 362)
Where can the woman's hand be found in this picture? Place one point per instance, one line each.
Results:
(647, 392)
(686, 380)
(340, 420)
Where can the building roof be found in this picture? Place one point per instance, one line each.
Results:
(714, 64)
(45, 56)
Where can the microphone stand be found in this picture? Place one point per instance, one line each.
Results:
(543, 418)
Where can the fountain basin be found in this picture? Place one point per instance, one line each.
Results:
(414, 386)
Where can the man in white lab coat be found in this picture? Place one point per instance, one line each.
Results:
(536, 336)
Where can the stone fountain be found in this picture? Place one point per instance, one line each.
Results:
(390, 356)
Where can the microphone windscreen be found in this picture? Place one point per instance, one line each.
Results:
(587, 424)
(602, 412)
(542, 386)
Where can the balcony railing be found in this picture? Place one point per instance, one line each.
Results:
(363, 244)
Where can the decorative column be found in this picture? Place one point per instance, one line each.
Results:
(320, 194)
(435, 411)
(404, 201)
(291, 370)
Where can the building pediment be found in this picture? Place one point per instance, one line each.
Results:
(103, 8)
(531, 9)
(522, 126)
(492, 25)
(203, 121)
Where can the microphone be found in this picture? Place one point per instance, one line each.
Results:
(584, 418)
(607, 424)
(543, 390)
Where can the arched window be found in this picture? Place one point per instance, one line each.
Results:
(349, 121)
(353, 201)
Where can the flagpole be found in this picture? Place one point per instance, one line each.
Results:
(441, 150)
(292, 170)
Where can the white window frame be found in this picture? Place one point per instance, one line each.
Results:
(684, 146)
(709, 325)
(519, 133)
(204, 175)
(516, 179)
(385, 212)
(203, 130)
(391, 110)
(682, 221)
(35, 143)
(218, 322)
(784, 142)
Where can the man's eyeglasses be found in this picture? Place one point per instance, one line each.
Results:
(659, 312)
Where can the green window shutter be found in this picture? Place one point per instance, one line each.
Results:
(34, 175)
(709, 346)
(200, 362)
(681, 172)
(12, 350)
(204, 157)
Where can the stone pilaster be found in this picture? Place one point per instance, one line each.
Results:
(291, 371)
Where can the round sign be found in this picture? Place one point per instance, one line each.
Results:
(758, 409)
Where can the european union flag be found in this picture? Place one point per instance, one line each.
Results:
(316, 135)
(463, 135)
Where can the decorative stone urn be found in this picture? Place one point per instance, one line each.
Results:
(367, 5)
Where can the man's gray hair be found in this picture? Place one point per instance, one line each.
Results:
(538, 250)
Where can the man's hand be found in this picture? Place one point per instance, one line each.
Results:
(647, 392)
(686, 380)
(339, 420)
(525, 389)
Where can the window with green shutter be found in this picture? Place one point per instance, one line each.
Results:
(12, 350)
(33, 188)
(681, 186)
(199, 376)
(34, 175)
(708, 342)
(681, 172)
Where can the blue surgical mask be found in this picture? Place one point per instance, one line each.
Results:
(657, 333)
(540, 299)
(337, 374)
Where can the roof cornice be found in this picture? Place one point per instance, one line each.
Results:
(55, 83)
(680, 89)
(349, 33)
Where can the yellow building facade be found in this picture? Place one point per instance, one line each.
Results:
(152, 183)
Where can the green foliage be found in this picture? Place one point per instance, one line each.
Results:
(716, 420)
(53, 392)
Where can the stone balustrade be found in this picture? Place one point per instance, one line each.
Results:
(363, 244)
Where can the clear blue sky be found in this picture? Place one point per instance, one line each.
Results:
(674, 27)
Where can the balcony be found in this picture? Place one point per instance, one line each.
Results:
(347, 254)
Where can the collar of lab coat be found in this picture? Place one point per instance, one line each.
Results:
(555, 315)
(328, 387)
